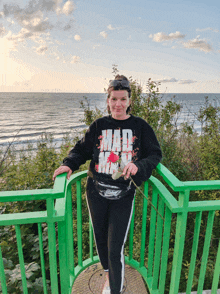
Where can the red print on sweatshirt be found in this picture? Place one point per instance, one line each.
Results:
(118, 141)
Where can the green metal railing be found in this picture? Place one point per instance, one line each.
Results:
(154, 252)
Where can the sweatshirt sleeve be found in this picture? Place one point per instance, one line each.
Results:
(151, 154)
(82, 151)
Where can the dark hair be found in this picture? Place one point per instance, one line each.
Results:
(110, 89)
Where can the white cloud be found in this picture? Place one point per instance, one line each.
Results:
(75, 59)
(208, 29)
(67, 8)
(21, 36)
(42, 49)
(110, 27)
(200, 44)
(104, 34)
(162, 37)
(95, 46)
(174, 80)
(2, 30)
(1, 14)
(166, 80)
(9, 20)
(77, 37)
(186, 81)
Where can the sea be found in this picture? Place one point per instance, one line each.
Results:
(25, 117)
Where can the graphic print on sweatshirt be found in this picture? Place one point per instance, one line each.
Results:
(119, 141)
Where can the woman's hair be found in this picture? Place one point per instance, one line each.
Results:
(111, 88)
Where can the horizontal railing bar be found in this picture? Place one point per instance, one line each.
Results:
(36, 194)
(178, 185)
(204, 205)
(167, 197)
(77, 177)
(202, 185)
(27, 218)
(169, 178)
(28, 195)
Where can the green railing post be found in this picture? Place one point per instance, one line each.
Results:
(69, 229)
(158, 245)
(194, 252)
(63, 257)
(206, 251)
(165, 249)
(152, 234)
(21, 259)
(216, 272)
(52, 246)
(79, 221)
(2, 274)
(144, 225)
(179, 241)
(43, 270)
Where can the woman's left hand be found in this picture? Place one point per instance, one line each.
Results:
(129, 170)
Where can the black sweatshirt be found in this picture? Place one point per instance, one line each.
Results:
(133, 139)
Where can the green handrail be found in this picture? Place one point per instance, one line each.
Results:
(152, 263)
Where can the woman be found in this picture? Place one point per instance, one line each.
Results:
(110, 201)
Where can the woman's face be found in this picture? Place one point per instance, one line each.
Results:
(118, 103)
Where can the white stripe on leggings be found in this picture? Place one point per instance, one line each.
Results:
(122, 249)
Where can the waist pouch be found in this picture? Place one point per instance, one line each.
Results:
(106, 189)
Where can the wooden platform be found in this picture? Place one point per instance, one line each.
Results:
(91, 281)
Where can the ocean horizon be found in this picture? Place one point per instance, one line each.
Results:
(25, 116)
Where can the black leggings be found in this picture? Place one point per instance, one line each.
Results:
(111, 220)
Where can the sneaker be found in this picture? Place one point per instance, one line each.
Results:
(106, 291)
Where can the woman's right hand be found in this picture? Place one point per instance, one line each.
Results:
(62, 169)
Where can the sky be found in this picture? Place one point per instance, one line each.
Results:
(71, 46)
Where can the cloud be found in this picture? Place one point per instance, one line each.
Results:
(171, 80)
(1, 14)
(2, 30)
(75, 59)
(174, 80)
(208, 29)
(104, 34)
(21, 36)
(200, 44)
(162, 37)
(42, 49)
(67, 8)
(77, 37)
(110, 27)
(186, 81)
(95, 46)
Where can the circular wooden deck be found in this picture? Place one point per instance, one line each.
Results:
(91, 280)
